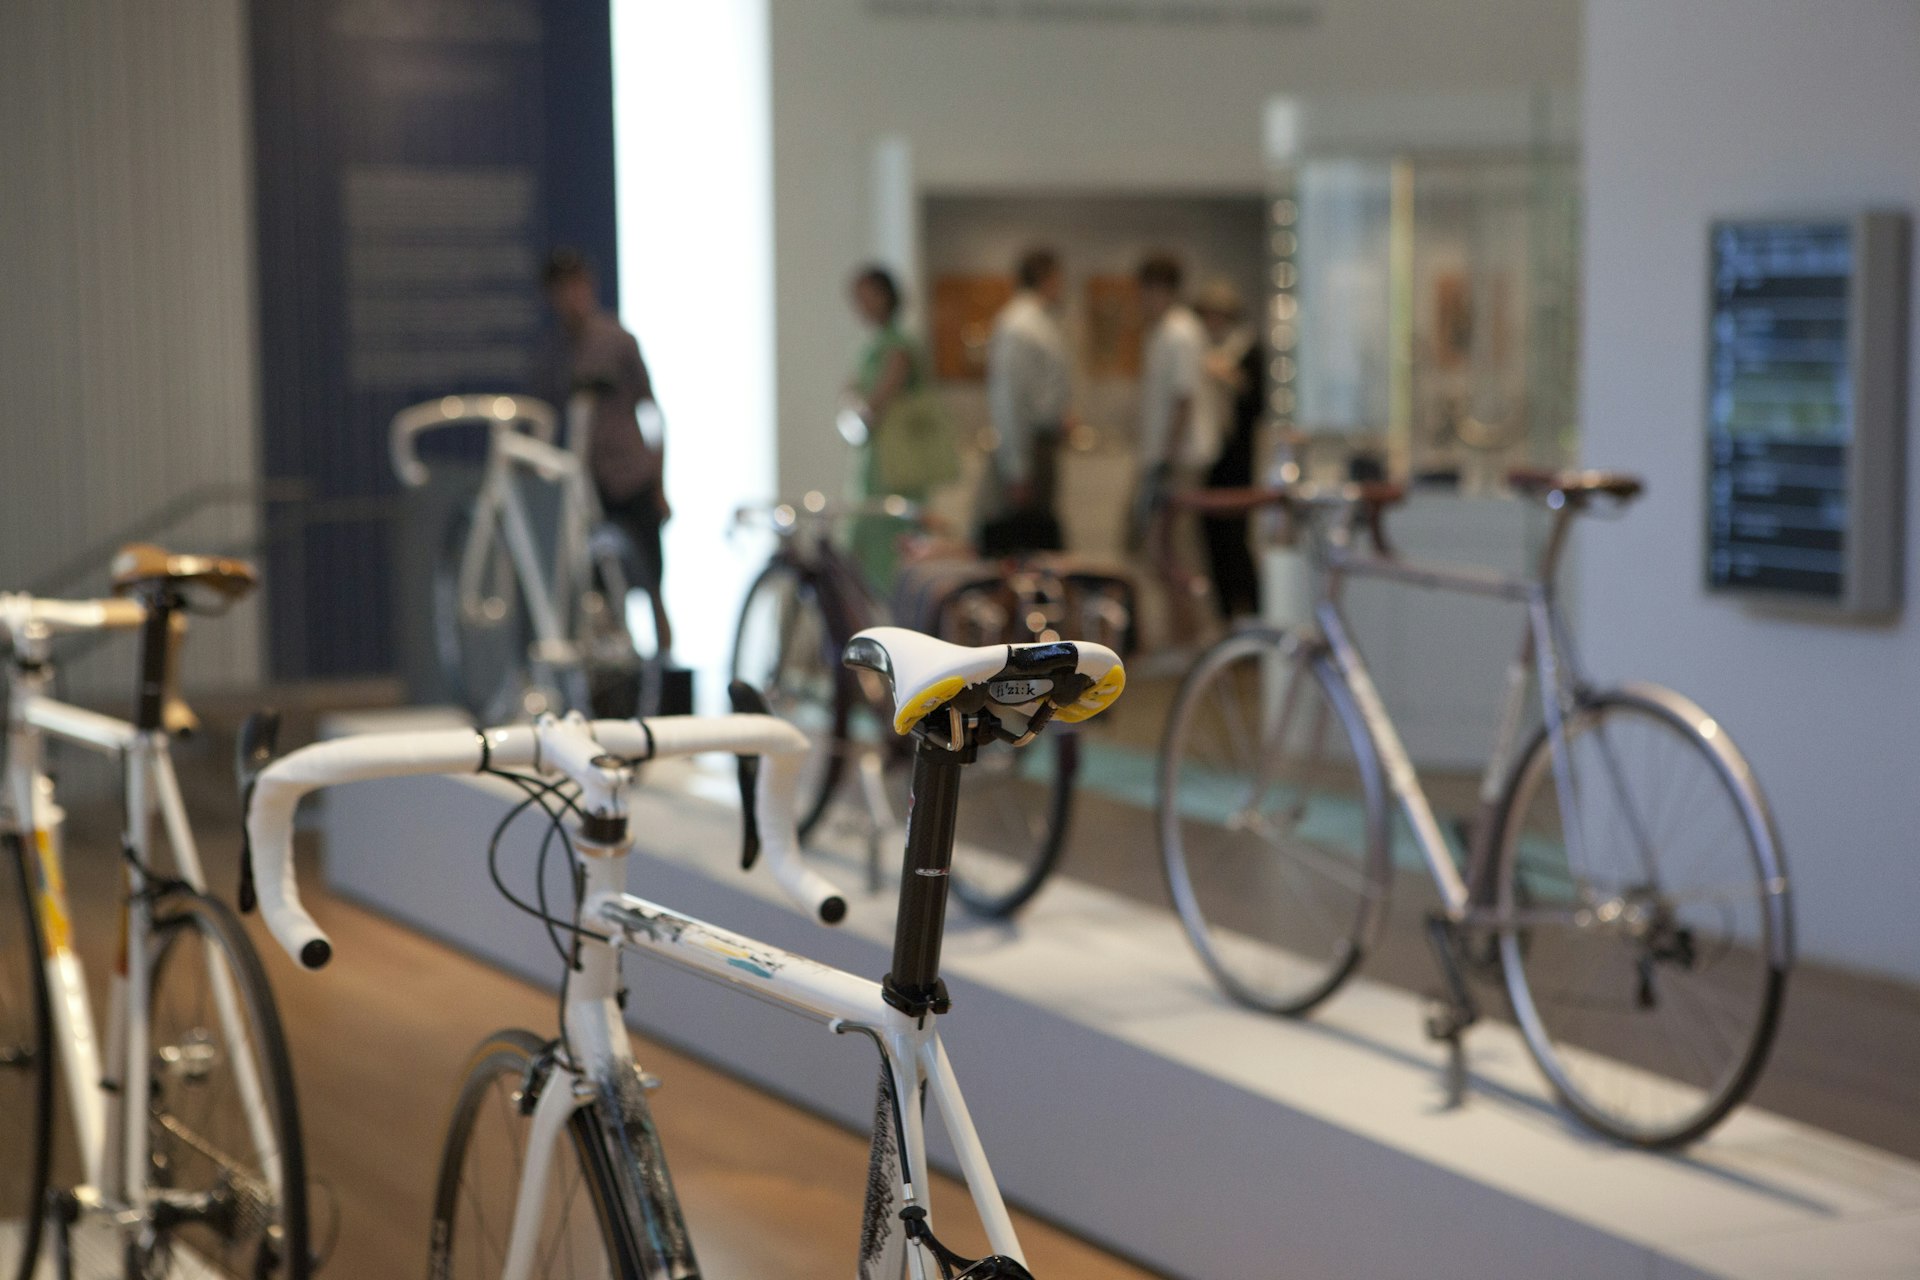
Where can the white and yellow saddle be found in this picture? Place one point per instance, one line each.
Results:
(1080, 679)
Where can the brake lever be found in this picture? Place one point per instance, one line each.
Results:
(747, 700)
(253, 751)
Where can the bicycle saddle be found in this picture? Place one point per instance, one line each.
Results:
(1535, 481)
(142, 565)
(1080, 679)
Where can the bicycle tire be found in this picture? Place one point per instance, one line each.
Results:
(823, 706)
(635, 1217)
(1246, 904)
(482, 662)
(26, 1066)
(1023, 842)
(258, 1234)
(1575, 1006)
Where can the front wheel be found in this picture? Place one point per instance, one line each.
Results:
(610, 1212)
(1643, 916)
(1273, 821)
(226, 1173)
(26, 1067)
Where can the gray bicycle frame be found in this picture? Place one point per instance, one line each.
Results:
(1545, 649)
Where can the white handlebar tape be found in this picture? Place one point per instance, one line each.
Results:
(367, 757)
(17, 612)
(780, 841)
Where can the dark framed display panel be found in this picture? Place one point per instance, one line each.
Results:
(1806, 412)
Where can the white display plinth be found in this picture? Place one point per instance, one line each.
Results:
(1119, 1094)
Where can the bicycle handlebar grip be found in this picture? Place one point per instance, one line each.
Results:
(406, 462)
(780, 841)
(270, 844)
(277, 790)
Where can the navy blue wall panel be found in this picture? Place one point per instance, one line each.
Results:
(413, 163)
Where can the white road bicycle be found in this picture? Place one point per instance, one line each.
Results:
(517, 634)
(553, 1166)
(203, 1174)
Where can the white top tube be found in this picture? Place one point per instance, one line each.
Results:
(23, 613)
(548, 746)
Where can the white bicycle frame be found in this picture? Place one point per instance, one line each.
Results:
(556, 597)
(581, 750)
(98, 1080)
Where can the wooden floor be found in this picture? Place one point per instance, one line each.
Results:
(379, 1039)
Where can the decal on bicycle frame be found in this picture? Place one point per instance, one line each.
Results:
(671, 929)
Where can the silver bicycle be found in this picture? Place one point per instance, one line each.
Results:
(1620, 875)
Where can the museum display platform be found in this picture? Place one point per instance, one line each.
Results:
(1120, 1094)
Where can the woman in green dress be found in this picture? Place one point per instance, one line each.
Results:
(895, 395)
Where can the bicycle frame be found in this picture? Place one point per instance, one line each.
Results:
(1544, 650)
(843, 1003)
(98, 1078)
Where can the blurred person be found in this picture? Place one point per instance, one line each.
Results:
(593, 353)
(1028, 396)
(1230, 395)
(1178, 439)
(909, 448)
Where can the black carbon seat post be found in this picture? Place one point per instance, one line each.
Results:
(156, 639)
(913, 984)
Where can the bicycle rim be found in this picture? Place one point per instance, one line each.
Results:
(238, 1165)
(610, 1211)
(1015, 809)
(784, 647)
(1272, 823)
(26, 1068)
(1648, 953)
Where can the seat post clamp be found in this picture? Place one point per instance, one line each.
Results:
(918, 1003)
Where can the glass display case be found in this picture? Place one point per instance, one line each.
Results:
(1424, 308)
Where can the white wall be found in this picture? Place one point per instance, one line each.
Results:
(696, 287)
(1734, 107)
(1011, 103)
(126, 315)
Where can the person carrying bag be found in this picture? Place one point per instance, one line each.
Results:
(911, 447)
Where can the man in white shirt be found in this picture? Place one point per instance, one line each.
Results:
(1028, 395)
(1178, 437)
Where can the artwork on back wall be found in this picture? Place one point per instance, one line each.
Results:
(1113, 327)
(963, 310)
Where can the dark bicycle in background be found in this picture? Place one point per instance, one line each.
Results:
(810, 600)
